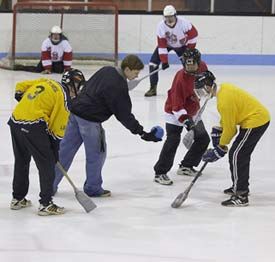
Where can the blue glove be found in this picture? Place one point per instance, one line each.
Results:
(216, 134)
(214, 154)
(164, 66)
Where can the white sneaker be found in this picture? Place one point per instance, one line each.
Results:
(18, 204)
(186, 171)
(51, 209)
(163, 179)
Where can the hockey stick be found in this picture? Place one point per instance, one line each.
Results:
(81, 197)
(133, 83)
(182, 196)
(189, 136)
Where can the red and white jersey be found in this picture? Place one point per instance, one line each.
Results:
(55, 53)
(182, 102)
(183, 33)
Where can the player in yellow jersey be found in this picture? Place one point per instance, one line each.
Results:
(37, 124)
(237, 108)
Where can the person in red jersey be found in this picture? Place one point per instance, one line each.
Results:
(181, 108)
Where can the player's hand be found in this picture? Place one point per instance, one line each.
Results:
(46, 72)
(189, 124)
(164, 66)
(214, 154)
(151, 136)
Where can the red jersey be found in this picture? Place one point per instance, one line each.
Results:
(182, 101)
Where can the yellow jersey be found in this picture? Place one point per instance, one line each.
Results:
(43, 100)
(238, 108)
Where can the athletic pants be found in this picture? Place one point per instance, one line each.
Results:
(32, 141)
(240, 153)
(193, 155)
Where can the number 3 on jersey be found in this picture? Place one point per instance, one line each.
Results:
(39, 90)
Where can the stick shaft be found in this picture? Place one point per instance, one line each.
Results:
(61, 168)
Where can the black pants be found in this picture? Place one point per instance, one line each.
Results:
(193, 155)
(240, 153)
(35, 142)
(57, 67)
(155, 59)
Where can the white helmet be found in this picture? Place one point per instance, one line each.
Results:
(56, 30)
(169, 10)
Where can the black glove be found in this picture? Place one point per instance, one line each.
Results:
(55, 148)
(189, 124)
(164, 66)
(214, 154)
(18, 96)
(150, 136)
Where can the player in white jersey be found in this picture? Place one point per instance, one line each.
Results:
(56, 54)
(173, 33)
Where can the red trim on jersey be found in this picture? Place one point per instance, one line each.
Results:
(68, 56)
(192, 33)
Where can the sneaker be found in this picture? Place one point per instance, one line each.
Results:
(186, 171)
(51, 209)
(163, 179)
(236, 201)
(229, 191)
(152, 91)
(18, 204)
(105, 193)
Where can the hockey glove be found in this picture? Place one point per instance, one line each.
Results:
(151, 136)
(216, 134)
(214, 154)
(189, 124)
(164, 66)
(18, 96)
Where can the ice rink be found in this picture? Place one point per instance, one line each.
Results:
(137, 224)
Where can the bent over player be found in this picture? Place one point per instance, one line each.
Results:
(173, 33)
(105, 94)
(237, 108)
(37, 124)
(181, 108)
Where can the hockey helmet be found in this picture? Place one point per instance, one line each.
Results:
(56, 35)
(205, 84)
(73, 80)
(191, 59)
(169, 10)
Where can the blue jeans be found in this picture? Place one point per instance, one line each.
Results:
(92, 135)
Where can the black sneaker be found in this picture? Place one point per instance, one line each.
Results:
(18, 204)
(163, 179)
(229, 191)
(186, 171)
(151, 92)
(236, 201)
(50, 209)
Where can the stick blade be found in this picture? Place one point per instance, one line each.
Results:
(179, 200)
(188, 139)
(85, 201)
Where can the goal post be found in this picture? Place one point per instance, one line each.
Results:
(91, 28)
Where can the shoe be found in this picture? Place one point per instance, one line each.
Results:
(152, 91)
(229, 191)
(18, 204)
(51, 209)
(105, 193)
(236, 201)
(186, 171)
(163, 179)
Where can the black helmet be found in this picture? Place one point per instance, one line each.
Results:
(190, 57)
(73, 80)
(202, 80)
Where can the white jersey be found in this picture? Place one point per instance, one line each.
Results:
(55, 53)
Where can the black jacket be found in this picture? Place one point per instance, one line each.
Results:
(105, 94)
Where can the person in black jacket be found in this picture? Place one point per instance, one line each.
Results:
(105, 94)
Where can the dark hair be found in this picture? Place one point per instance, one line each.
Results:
(132, 62)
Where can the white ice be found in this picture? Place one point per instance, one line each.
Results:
(137, 223)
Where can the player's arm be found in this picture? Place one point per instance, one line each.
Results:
(162, 44)
(68, 55)
(192, 35)
(46, 55)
